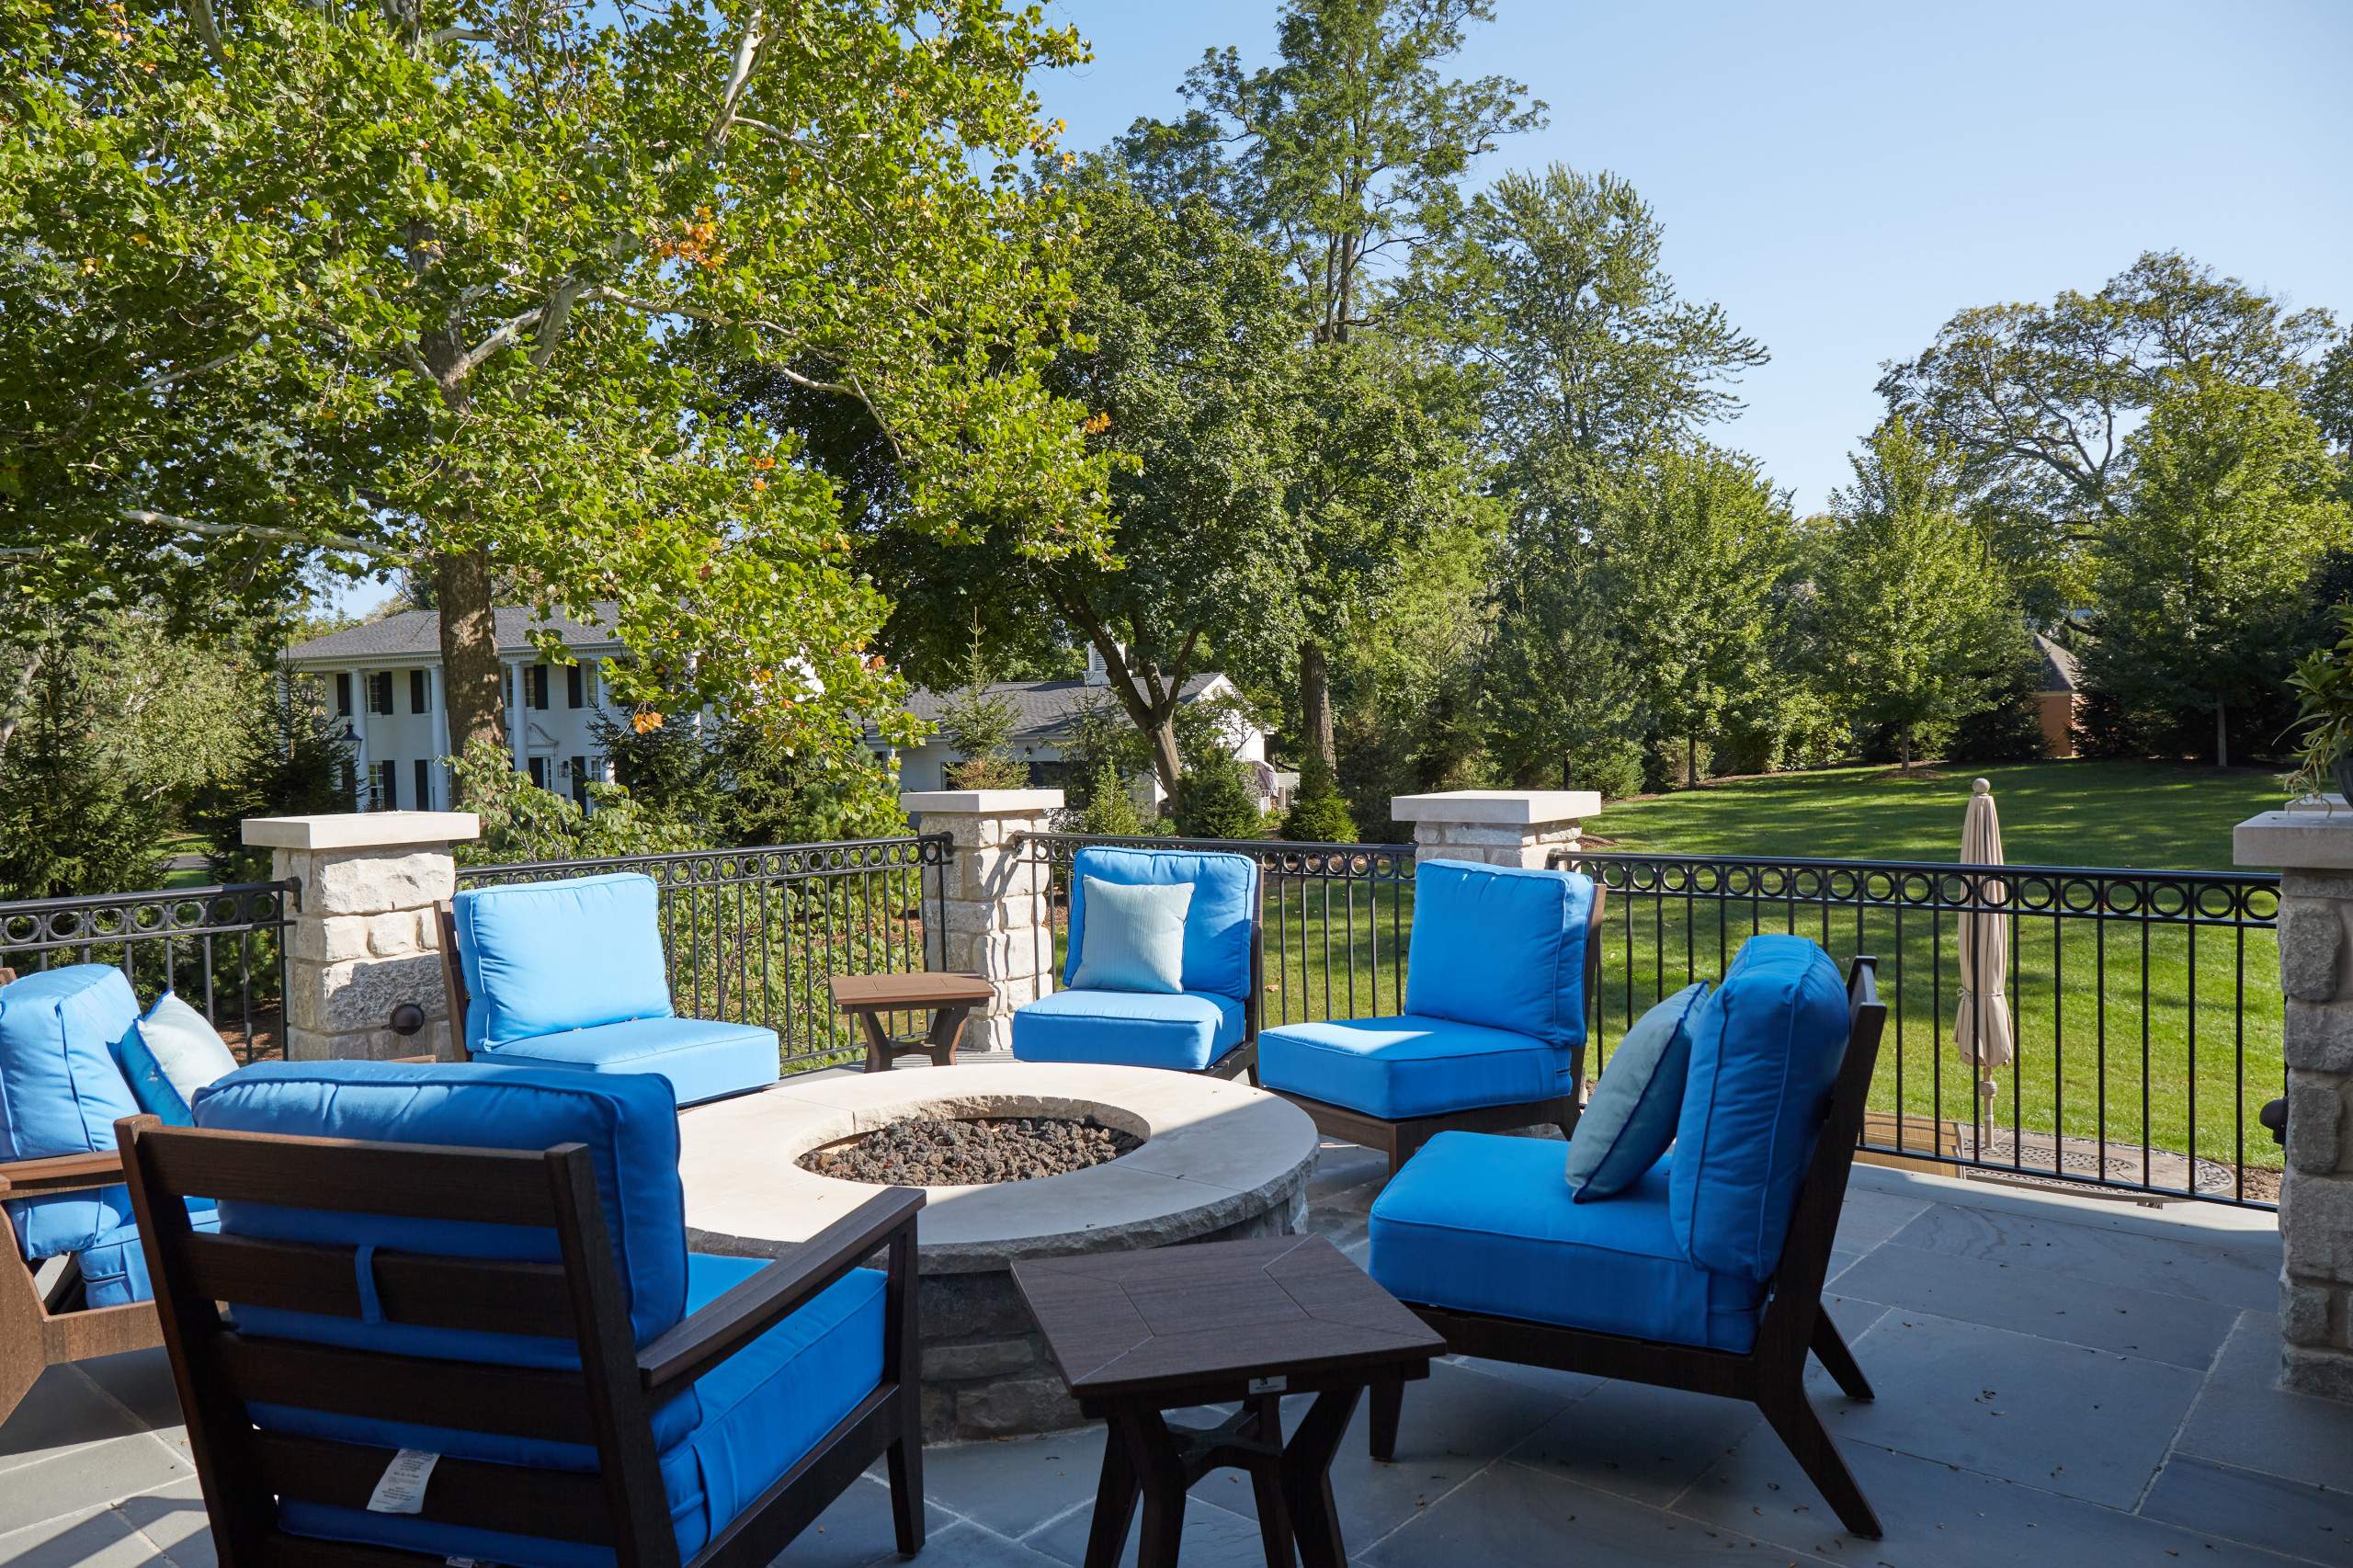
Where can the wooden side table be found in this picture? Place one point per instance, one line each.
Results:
(949, 997)
(1135, 1334)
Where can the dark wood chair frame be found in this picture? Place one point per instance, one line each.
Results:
(1400, 1140)
(608, 1404)
(41, 1327)
(1771, 1375)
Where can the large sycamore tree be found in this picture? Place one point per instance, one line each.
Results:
(415, 283)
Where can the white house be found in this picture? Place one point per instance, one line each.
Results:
(1048, 710)
(384, 690)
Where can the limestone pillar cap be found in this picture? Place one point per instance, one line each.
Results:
(983, 802)
(1503, 807)
(2300, 840)
(362, 830)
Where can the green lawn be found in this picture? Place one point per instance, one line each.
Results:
(2053, 814)
(2175, 1065)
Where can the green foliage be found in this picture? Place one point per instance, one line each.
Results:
(1317, 814)
(2323, 687)
(979, 721)
(2010, 727)
(521, 822)
(1915, 630)
(741, 784)
(71, 821)
(1104, 806)
(296, 761)
(2201, 579)
(1213, 802)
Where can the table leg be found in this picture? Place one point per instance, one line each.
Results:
(1115, 1501)
(1266, 1483)
(947, 1032)
(1307, 1478)
(878, 1043)
(1160, 1471)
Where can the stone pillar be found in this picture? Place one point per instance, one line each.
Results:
(997, 924)
(1501, 827)
(2314, 850)
(365, 936)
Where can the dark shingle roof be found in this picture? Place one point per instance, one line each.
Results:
(416, 635)
(1047, 707)
(2059, 668)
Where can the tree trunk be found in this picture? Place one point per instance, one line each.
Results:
(1690, 762)
(1907, 743)
(2222, 733)
(1164, 760)
(20, 698)
(469, 675)
(1315, 703)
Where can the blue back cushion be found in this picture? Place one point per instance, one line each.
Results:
(62, 1089)
(628, 1120)
(542, 958)
(1217, 922)
(1766, 1047)
(1500, 946)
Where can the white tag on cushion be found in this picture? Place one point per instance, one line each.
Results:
(170, 1054)
(402, 1488)
(1134, 939)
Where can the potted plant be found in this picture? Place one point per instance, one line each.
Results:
(2323, 684)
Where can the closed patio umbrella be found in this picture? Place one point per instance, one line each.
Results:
(1982, 1028)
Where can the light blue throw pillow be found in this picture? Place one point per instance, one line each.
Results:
(1134, 939)
(170, 1054)
(1630, 1118)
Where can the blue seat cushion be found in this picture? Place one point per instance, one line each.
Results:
(62, 1090)
(114, 1268)
(701, 1059)
(1218, 922)
(1183, 1030)
(628, 1120)
(1407, 1066)
(1500, 946)
(541, 958)
(1766, 1047)
(1482, 1223)
(759, 1412)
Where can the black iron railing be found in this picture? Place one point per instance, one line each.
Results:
(2144, 1006)
(222, 948)
(752, 935)
(1337, 919)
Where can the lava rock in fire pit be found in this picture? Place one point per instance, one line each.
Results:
(929, 1150)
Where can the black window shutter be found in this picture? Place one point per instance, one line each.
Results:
(343, 695)
(388, 798)
(423, 785)
(416, 691)
(572, 684)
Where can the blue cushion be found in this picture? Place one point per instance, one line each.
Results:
(1630, 1115)
(1765, 1052)
(1216, 924)
(544, 956)
(1135, 937)
(62, 1090)
(628, 1120)
(1412, 1066)
(702, 1060)
(1502, 947)
(1184, 1031)
(170, 1054)
(1484, 1224)
(761, 1410)
(113, 1266)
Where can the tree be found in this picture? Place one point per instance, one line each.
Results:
(979, 722)
(2233, 502)
(294, 760)
(1914, 624)
(421, 285)
(1351, 147)
(2038, 400)
(1317, 814)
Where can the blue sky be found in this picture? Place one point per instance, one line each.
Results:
(1841, 177)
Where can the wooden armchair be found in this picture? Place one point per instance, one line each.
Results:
(40, 1324)
(263, 1472)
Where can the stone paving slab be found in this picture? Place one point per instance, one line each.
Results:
(2159, 1438)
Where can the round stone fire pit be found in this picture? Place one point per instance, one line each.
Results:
(1215, 1160)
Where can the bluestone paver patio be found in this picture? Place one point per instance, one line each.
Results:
(2061, 1380)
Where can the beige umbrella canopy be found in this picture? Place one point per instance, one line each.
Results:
(1982, 1028)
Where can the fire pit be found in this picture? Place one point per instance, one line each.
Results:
(1205, 1160)
(928, 1151)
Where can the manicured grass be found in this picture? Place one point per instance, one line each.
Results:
(2053, 814)
(2163, 1034)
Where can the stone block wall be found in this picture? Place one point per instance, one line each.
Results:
(996, 923)
(1497, 828)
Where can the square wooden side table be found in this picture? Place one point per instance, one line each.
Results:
(948, 996)
(1135, 1334)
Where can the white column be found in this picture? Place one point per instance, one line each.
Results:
(997, 925)
(365, 936)
(2314, 850)
(515, 743)
(360, 727)
(1500, 827)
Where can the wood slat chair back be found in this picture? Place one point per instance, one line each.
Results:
(453, 980)
(604, 1405)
